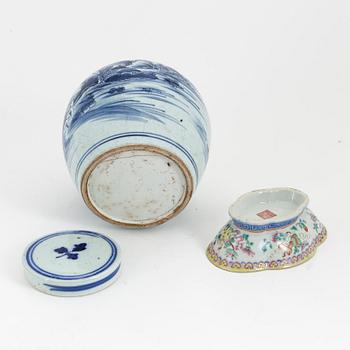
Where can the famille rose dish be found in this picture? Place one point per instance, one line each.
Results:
(136, 142)
(269, 229)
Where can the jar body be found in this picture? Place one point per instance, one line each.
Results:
(136, 141)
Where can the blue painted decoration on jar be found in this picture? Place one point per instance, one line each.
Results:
(136, 141)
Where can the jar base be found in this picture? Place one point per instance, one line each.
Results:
(137, 186)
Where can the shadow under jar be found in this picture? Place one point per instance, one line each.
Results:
(136, 142)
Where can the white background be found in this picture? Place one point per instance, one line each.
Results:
(275, 76)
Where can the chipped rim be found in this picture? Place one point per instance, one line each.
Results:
(137, 147)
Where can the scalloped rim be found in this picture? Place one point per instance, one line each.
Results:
(283, 220)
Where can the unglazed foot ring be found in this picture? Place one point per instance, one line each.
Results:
(137, 186)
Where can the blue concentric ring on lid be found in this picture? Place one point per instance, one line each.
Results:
(72, 263)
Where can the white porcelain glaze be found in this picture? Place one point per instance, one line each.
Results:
(268, 229)
(268, 206)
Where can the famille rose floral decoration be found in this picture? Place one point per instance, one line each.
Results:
(269, 229)
(136, 142)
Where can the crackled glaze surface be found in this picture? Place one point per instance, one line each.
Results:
(133, 103)
(236, 248)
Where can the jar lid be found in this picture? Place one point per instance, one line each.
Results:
(72, 263)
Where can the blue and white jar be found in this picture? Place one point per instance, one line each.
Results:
(136, 142)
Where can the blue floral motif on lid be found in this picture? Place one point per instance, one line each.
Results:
(70, 254)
